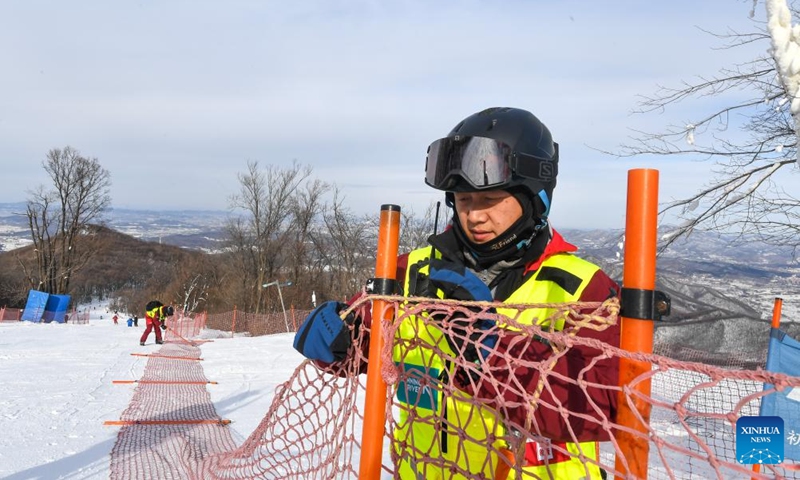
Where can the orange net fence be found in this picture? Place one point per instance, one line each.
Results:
(15, 315)
(185, 327)
(435, 429)
(10, 314)
(256, 324)
(75, 317)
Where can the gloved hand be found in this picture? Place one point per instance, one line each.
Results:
(459, 283)
(324, 335)
(163, 325)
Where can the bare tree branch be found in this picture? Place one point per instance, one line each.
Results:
(60, 219)
(748, 132)
(267, 197)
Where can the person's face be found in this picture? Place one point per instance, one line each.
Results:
(485, 215)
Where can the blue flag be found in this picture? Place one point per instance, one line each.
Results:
(784, 357)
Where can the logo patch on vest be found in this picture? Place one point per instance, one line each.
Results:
(414, 390)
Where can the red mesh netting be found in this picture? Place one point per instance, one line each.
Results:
(312, 430)
(255, 324)
(10, 314)
(170, 424)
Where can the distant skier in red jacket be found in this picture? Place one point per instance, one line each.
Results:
(155, 315)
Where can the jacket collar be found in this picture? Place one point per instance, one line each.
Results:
(556, 245)
(447, 243)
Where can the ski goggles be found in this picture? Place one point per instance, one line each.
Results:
(482, 162)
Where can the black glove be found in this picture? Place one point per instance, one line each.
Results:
(163, 325)
(324, 335)
(459, 283)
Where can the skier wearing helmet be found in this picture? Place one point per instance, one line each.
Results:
(498, 169)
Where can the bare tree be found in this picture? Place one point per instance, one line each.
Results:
(267, 197)
(347, 248)
(242, 261)
(415, 230)
(749, 134)
(194, 294)
(307, 209)
(60, 218)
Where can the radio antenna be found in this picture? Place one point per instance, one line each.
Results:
(435, 227)
(436, 218)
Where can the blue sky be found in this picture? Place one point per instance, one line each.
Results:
(174, 97)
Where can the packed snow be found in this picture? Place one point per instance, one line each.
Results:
(56, 389)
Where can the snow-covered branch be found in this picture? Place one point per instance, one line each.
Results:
(786, 51)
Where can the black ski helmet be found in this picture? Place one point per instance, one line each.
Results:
(495, 148)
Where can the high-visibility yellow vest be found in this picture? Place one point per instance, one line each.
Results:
(424, 446)
(155, 313)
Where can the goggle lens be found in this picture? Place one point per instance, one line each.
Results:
(483, 162)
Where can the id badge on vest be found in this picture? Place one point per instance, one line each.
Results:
(411, 391)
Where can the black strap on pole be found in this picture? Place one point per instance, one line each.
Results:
(381, 286)
(645, 304)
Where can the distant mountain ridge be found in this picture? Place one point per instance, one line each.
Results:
(722, 294)
(699, 255)
(195, 229)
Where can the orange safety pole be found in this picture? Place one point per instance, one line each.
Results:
(776, 312)
(173, 357)
(375, 399)
(504, 468)
(180, 337)
(776, 323)
(164, 382)
(167, 422)
(636, 335)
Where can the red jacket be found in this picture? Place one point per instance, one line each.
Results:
(521, 350)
